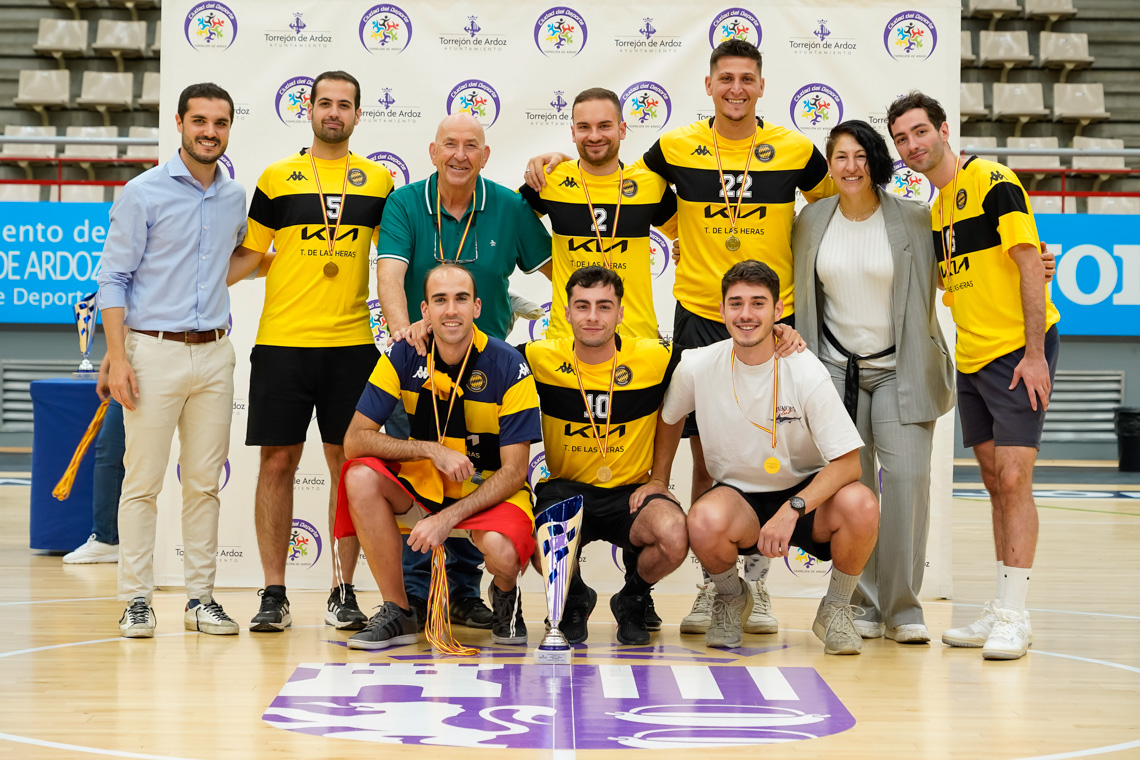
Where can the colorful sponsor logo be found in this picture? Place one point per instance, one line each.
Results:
(910, 35)
(385, 28)
(294, 99)
(660, 252)
(560, 31)
(735, 24)
(816, 106)
(210, 26)
(227, 164)
(520, 706)
(538, 327)
(537, 470)
(800, 563)
(909, 184)
(477, 98)
(304, 544)
(377, 323)
(225, 474)
(646, 105)
(394, 164)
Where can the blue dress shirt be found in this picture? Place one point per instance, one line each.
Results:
(168, 249)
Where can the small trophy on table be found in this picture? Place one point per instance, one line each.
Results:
(557, 531)
(86, 311)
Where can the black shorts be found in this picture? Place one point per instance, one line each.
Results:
(693, 331)
(767, 503)
(605, 511)
(989, 410)
(285, 383)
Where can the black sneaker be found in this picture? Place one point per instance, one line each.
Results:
(344, 615)
(507, 626)
(390, 627)
(273, 616)
(629, 611)
(471, 612)
(652, 619)
(575, 615)
(418, 606)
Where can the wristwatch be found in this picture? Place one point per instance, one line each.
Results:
(798, 505)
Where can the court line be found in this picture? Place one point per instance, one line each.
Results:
(1041, 609)
(88, 750)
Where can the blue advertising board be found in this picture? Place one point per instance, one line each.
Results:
(49, 259)
(1097, 284)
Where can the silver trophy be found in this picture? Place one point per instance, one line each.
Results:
(86, 311)
(557, 529)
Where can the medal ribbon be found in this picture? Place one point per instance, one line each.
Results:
(775, 395)
(441, 435)
(947, 240)
(733, 215)
(331, 232)
(604, 450)
(439, 224)
(617, 214)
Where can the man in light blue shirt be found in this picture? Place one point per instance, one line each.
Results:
(169, 253)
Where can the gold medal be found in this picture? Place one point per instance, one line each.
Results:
(605, 474)
(948, 299)
(331, 269)
(732, 243)
(771, 465)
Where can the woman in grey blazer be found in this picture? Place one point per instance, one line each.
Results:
(865, 288)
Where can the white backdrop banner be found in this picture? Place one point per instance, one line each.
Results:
(517, 67)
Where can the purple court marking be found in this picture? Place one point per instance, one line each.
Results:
(561, 707)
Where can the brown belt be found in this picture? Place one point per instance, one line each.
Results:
(206, 336)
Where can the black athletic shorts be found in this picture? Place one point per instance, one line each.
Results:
(605, 511)
(285, 383)
(989, 410)
(767, 503)
(693, 331)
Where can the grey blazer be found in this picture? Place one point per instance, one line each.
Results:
(923, 365)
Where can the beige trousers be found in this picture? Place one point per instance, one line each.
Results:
(188, 388)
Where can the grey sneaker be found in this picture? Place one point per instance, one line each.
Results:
(975, 634)
(273, 617)
(726, 624)
(343, 612)
(835, 626)
(472, 612)
(761, 619)
(390, 627)
(507, 627)
(138, 620)
(697, 621)
(209, 617)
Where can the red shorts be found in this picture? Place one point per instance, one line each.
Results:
(505, 518)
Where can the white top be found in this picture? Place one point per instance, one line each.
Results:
(855, 268)
(812, 427)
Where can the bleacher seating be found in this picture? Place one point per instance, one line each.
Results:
(29, 150)
(61, 38)
(968, 56)
(75, 5)
(1092, 163)
(41, 89)
(1110, 205)
(120, 39)
(1005, 49)
(19, 193)
(1079, 103)
(146, 154)
(972, 101)
(995, 9)
(107, 91)
(1027, 164)
(1020, 103)
(150, 91)
(156, 46)
(1050, 10)
(80, 193)
(80, 150)
(971, 143)
(1052, 204)
(134, 5)
(1064, 51)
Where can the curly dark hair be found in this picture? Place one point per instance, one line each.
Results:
(880, 167)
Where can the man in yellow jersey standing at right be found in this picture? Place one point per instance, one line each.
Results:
(990, 265)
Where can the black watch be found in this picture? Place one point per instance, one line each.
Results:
(798, 505)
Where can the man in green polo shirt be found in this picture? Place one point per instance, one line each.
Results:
(454, 215)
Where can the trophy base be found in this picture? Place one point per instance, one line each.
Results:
(553, 656)
(85, 374)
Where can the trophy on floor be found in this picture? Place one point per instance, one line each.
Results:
(86, 311)
(557, 530)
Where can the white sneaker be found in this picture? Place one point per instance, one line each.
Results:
(869, 629)
(975, 634)
(726, 623)
(209, 617)
(698, 619)
(835, 626)
(91, 552)
(908, 633)
(138, 620)
(761, 619)
(1009, 639)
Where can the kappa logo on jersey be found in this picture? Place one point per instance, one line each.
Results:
(296, 177)
(568, 182)
(701, 150)
(995, 177)
(519, 706)
(523, 371)
(566, 368)
(421, 373)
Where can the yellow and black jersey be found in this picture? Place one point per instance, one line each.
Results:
(644, 366)
(496, 407)
(990, 214)
(782, 162)
(645, 200)
(314, 298)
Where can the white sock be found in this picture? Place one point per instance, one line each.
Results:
(727, 582)
(756, 567)
(841, 588)
(1000, 582)
(1016, 588)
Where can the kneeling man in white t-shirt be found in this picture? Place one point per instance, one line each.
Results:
(784, 455)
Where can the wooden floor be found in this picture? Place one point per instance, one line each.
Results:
(72, 687)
